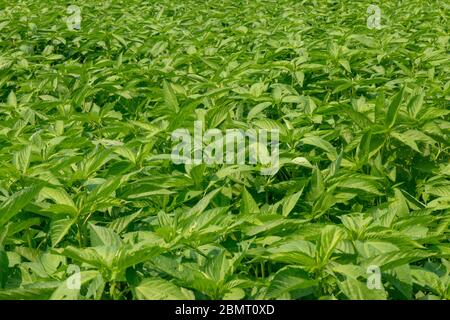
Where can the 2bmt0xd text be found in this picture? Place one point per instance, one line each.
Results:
(241, 147)
(246, 309)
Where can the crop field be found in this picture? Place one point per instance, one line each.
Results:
(94, 204)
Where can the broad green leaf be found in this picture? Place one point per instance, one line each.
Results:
(120, 224)
(320, 143)
(363, 150)
(393, 108)
(16, 202)
(66, 292)
(394, 259)
(101, 236)
(203, 203)
(297, 252)
(401, 279)
(290, 202)
(399, 205)
(415, 104)
(160, 289)
(257, 110)
(291, 280)
(60, 197)
(302, 161)
(317, 184)
(170, 97)
(21, 159)
(248, 204)
(329, 239)
(428, 279)
(356, 290)
(132, 255)
(59, 228)
(12, 100)
(365, 185)
(86, 255)
(35, 291)
(234, 294)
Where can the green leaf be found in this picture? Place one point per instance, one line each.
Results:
(394, 259)
(290, 202)
(120, 224)
(329, 239)
(363, 150)
(92, 163)
(203, 203)
(248, 204)
(12, 100)
(22, 159)
(359, 183)
(257, 110)
(64, 292)
(415, 104)
(441, 203)
(132, 255)
(170, 98)
(59, 229)
(392, 112)
(345, 64)
(302, 161)
(399, 205)
(358, 118)
(356, 290)
(406, 140)
(60, 197)
(428, 279)
(16, 202)
(160, 289)
(87, 255)
(298, 252)
(35, 291)
(292, 280)
(320, 143)
(234, 294)
(101, 236)
(317, 184)
(401, 279)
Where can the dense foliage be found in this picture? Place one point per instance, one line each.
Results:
(87, 183)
